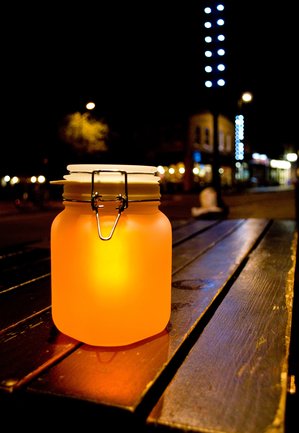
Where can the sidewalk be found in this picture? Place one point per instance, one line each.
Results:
(8, 208)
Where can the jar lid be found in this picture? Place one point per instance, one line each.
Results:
(112, 173)
(137, 182)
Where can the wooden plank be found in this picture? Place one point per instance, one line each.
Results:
(30, 268)
(18, 256)
(186, 231)
(189, 251)
(29, 348)
(175, 224)
(234, 378)
(22, 301)
(11, 251)
(123, 377)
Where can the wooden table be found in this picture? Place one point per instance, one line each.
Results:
(222, 364)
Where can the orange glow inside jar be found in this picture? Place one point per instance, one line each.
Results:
(111, 258)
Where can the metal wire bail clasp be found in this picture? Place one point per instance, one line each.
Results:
(97, 200)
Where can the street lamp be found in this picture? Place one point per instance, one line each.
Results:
(84, 118)
(90, 105)
(245, 98)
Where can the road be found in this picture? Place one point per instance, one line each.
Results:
(34, 226)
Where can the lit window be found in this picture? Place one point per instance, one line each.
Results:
(221, 52)
(208, 83)
(208, 39)
(208, 53)
(208, 69)
(208, 25)
(220, 22)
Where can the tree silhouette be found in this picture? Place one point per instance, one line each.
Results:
(85, 134)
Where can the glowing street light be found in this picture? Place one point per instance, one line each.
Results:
(90, 105)
(245, 98)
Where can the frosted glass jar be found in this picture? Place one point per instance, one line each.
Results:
(111, 255)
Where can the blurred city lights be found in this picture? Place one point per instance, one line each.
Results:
(216, 47)
(292, 157)
(276, 163)
(14, 180)
(239, 137)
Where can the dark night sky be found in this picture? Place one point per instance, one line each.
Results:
(137, 59)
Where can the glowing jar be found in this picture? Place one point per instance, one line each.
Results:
(111, 255)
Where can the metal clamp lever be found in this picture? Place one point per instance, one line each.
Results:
(96, 200)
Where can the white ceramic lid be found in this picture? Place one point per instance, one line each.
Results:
(109, 180)
(112, 173)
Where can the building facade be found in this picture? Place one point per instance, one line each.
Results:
(191, 156)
